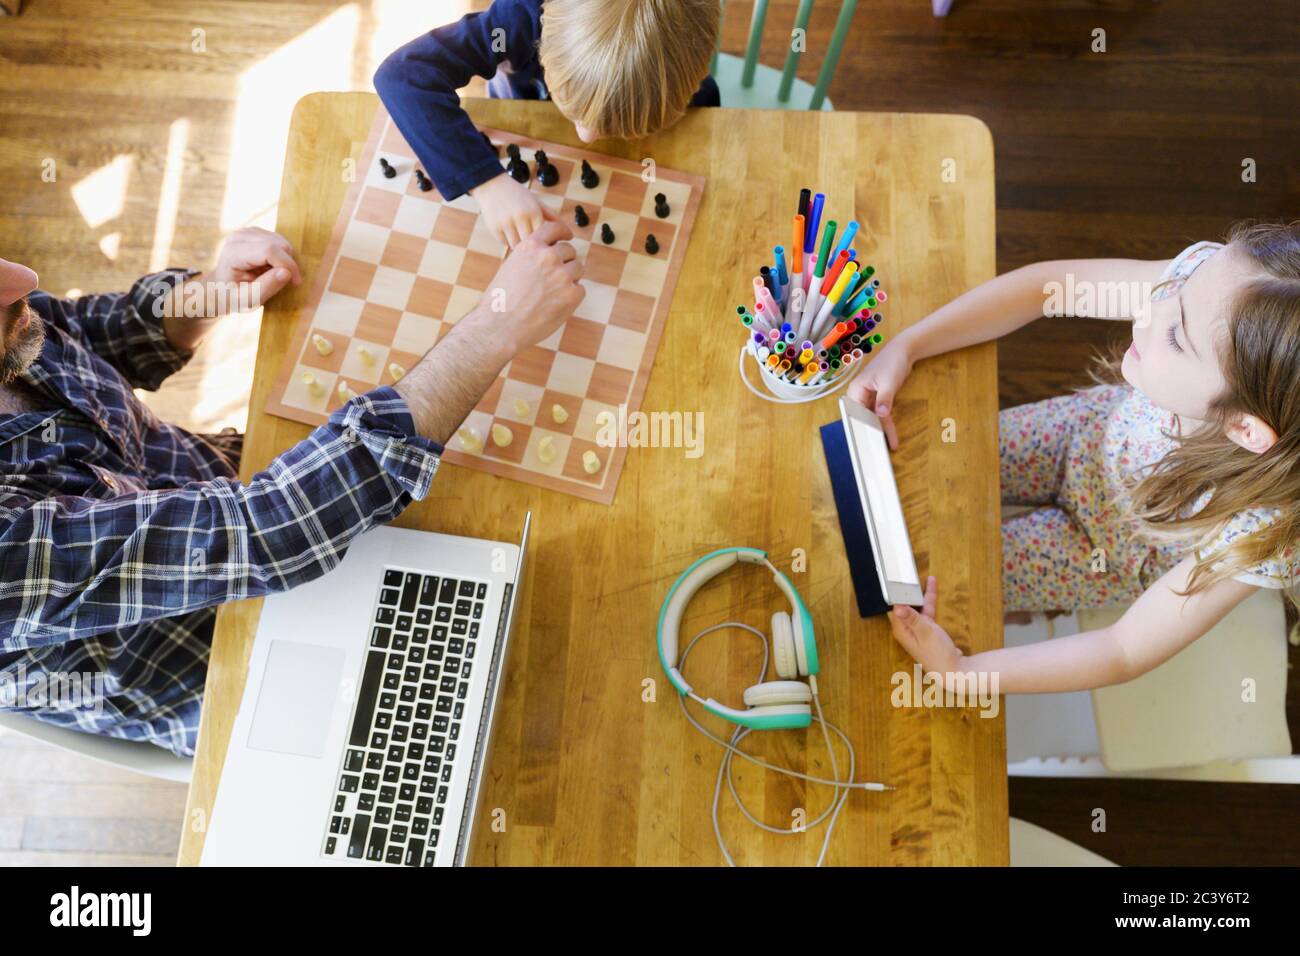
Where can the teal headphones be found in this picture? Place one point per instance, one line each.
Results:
(773, 705)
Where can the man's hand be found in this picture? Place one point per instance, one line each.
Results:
(928, 643)
(254, 265)
(536, 288)
(531, 295)
(510, 210)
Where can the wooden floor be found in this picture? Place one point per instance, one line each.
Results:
(61, 809)
(165, 127)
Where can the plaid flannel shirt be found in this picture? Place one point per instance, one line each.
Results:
(120, 535)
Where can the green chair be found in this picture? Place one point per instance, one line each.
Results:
(747, 84)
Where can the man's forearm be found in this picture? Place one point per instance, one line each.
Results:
(449, 380)
(187, 311)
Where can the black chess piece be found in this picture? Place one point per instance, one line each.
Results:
(661, 206)
(580, 217)
(423, 181)
(518, 170)
(387, 167)
(590, 178)
(651, 244)
(547, 174)
(512, 150)
(606, 233)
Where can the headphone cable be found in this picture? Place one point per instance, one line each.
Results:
(842, 787)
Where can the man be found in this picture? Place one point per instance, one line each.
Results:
(119, 534)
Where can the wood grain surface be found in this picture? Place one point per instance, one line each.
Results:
(586, 768)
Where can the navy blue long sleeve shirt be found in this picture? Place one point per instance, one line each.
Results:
(418, 85)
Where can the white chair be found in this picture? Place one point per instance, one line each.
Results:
(1033, 846)
(1183, 720)
(132, 755)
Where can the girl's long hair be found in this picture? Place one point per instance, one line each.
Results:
(1261, 365)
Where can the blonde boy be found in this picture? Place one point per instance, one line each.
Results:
(615, 68)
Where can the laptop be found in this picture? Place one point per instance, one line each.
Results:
(367, 715)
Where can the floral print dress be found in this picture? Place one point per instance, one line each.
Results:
(1073, 459)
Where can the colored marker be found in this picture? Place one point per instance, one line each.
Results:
(781, 275)
(834, 272)
(814, 222)
(835, 334)
(846, 272)
(824, 251)
(846, 240)
(763, 297)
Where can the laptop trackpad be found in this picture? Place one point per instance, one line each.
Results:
(299, 692)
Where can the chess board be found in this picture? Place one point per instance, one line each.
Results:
(404, 265)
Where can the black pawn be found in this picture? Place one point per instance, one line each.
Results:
(606, 234)
(548, 175)
(423, 181)
(387, 167)
(518, 170)
(590, 178)
(513, 150)
(580, 216)
(651, 244)
(661, 206)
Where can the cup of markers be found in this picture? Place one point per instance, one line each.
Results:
(815, 315)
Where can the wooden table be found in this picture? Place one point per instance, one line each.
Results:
(593, 762)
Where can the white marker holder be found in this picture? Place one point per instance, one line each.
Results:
(785, 392)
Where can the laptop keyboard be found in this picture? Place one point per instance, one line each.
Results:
(394, 785)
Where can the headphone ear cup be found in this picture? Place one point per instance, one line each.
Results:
(783, 651)
(777, 692)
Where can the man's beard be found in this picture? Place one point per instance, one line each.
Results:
(20, 347)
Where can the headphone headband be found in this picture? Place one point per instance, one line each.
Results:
(700, 573)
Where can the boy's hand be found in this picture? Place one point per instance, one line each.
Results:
(536, 288)
(878, 383)
(928, 643)
(510, 210)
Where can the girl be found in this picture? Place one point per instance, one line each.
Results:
(1177, 491)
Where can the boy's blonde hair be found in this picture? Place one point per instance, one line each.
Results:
(626, 68)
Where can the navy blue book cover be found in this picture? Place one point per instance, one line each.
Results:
(853, 523)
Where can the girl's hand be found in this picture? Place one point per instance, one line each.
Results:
(510, 210)
(928, 643)
(878, 383)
